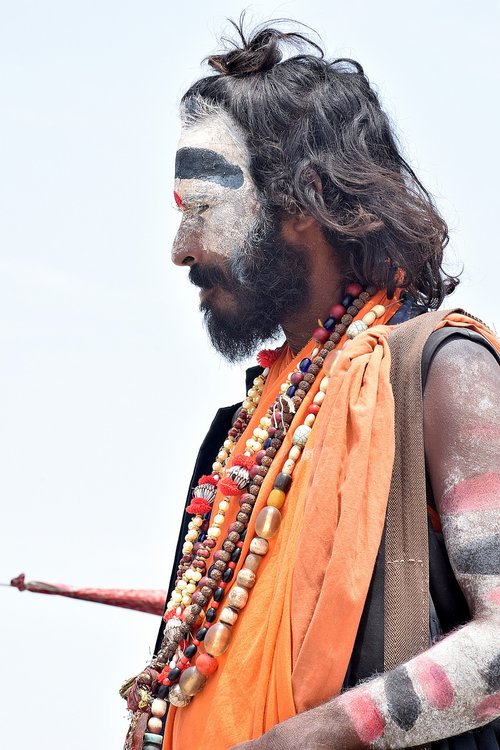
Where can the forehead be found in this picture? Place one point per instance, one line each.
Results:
(214, 150)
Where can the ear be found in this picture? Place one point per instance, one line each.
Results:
(295, 228)
(297, 224)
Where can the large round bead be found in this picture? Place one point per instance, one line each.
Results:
(155, 725)
(259, 546)
(369, 318)
(192, 681)
(356, 328)
(158, 708)
(178, 697)
(246, 578)
(331, 360)
(276, 498)
(217, 639)
(206, 664)
(228, 616)
(283, 482)
(252, 562)
(237, 598)
(301, 434)
(323, 386)
(268, 522)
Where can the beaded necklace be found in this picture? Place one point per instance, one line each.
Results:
(171, 674)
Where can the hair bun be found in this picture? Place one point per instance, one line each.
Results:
(257, 53)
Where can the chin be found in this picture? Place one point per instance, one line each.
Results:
(218, 302)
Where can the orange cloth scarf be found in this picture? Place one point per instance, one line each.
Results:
(292, 643)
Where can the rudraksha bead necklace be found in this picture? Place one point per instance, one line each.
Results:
(176, 678)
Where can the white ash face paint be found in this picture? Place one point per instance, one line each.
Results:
(219, 203)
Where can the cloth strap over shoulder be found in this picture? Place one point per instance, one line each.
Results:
(406, 585)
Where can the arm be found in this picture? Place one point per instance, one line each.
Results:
(455, 685)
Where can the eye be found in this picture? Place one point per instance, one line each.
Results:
(192, 207)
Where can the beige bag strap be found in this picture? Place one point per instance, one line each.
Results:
(406, 582)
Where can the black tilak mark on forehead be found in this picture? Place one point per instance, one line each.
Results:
(203, 164)
(402, 701)
(481, 556)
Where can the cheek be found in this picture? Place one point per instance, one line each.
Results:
(226, 227)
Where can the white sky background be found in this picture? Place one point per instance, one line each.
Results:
(107, 383)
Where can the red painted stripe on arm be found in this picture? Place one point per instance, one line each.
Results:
(364, 715)
(434, 683)
(489, 707)
(476, 493)
(493, 596)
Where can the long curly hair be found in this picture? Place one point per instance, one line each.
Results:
(320, 144)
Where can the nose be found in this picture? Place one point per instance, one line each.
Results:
(186, 250)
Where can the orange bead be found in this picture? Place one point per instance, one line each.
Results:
(206, 664)
(276, 498)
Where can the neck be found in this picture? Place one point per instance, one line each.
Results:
(326, 282)
(326, 289)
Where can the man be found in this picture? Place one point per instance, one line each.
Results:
(297, 206)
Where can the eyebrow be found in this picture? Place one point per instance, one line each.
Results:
(203, 164)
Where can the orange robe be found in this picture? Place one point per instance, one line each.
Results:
(293, 640)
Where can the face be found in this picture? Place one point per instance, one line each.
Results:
(248, 277)
(214, 191)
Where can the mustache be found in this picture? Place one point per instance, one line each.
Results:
(207, 277)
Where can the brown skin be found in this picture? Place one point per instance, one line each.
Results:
(325, 280)
(324, 275)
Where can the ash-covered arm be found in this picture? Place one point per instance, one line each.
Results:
(455, 685)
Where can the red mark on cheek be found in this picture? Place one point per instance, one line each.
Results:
(178, 200)
(475, 493)
(364, 716)
(434, 682)
(488, 707)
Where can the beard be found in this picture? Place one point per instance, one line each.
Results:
(267, 278)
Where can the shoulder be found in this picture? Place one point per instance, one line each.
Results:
(461, 413)
(462, 365)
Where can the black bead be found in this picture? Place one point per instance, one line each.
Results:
(200, 635)
(218, 594)
(190, 651)
(174, 674)
(236, 555)
(348, 300)
(211, 614)
(283, 482)
(163, 691)
(210, 570)
(329, 324)
(227, 575)
(243, 535)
